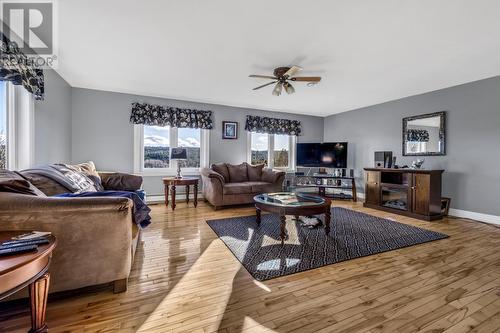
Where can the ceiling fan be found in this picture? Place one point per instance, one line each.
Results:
(283, 76)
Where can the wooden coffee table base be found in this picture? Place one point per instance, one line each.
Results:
(295, 211)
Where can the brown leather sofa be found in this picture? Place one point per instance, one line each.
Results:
(96, 239)
(226, 184)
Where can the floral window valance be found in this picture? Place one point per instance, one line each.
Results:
(414, 135)
(157, 115)
(18, 69)
(272, 125)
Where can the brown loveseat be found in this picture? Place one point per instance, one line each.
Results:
(226, 184)
(96, 238)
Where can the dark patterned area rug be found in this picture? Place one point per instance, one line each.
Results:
(352, 235)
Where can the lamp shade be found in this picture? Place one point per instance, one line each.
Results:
(178, 154)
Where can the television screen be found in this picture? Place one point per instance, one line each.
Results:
(324, 155)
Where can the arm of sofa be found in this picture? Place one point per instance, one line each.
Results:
(213, 184)
(120, 181)
(272, 176)
(94, 235)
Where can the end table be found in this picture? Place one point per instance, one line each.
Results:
(174, 182)
(28, 269)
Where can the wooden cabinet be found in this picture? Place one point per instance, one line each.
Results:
(372, 188)
(415, 193)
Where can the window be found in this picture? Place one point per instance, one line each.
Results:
(190, 138)
(276, 151)
(156, 147)
(16, 127)
(3, 125)
(281, 151)
(152, 149)
(259, 148)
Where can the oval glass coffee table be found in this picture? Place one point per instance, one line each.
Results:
(296, 204)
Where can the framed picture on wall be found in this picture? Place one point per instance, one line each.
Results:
(229, 130)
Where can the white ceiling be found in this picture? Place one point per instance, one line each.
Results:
(367, 52)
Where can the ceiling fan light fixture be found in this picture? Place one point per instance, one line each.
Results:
(289, 88)
(277, 89)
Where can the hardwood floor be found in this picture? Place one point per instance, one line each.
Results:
(184, 279)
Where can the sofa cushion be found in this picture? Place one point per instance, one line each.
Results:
(260, 187)
(237, 188)
(254, 172)
(221, 168)
(237, 173)
(46, 185)
(118, 181)
(11, 181)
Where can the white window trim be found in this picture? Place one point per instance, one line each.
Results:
(292, 143)
(20, 130)
(172, 169)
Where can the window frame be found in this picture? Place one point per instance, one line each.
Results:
(173, 139)
(292, 143)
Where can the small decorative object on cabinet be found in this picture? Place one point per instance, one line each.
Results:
(383, 159)
(414, 193)
(230, 130)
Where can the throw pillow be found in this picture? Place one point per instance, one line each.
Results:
(237, 173)
(88, 168)
(13, 182)
(222, 169)
(255, 172)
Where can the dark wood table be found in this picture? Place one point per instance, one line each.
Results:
(28, 270)
(174, 182)
(296, 204)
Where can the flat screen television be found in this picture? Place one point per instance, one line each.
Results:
(322, 155)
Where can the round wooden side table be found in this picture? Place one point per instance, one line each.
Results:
(28, 270)
(174, 182)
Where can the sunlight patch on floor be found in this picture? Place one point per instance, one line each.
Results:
(195, 298)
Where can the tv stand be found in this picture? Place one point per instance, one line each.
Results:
(414, 193)
(324, 182)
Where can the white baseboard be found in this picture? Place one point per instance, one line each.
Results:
(493, 219)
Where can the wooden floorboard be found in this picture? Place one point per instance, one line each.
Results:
(184, 279)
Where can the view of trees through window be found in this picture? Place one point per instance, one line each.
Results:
(157, 146)
(259, 148)
(3, 125)
(281, 151)
(189, 138)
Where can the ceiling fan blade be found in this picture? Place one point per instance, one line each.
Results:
(264, 77)
(264, 85)
(291, 72)
(306, 78)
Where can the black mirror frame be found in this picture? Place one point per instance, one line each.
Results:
(442, 133)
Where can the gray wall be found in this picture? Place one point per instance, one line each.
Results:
(53, 121)
(102, 132)
(471, 177)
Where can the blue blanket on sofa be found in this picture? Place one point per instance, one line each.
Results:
(140, 211)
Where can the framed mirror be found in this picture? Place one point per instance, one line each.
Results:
(424, 135)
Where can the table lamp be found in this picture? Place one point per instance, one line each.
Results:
(178, 154)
